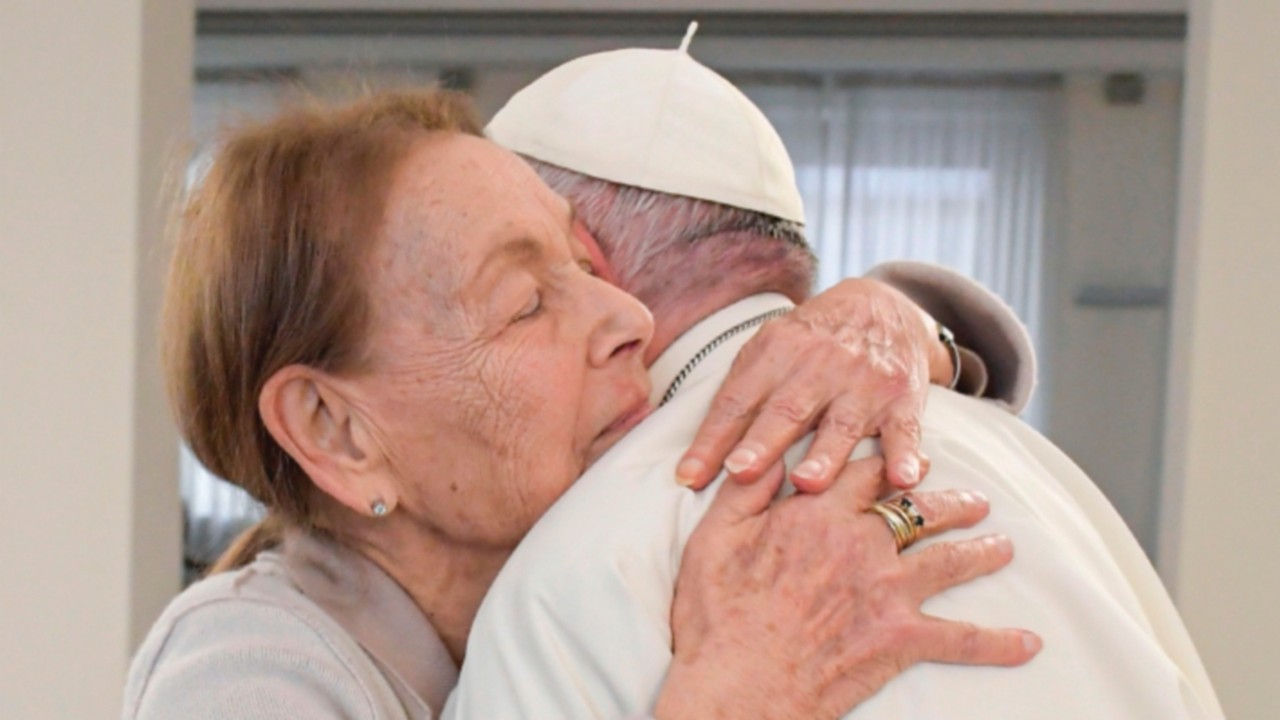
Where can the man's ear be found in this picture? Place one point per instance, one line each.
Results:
(603, 268)
(310, 416)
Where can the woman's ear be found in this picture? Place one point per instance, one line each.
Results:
(310, 416)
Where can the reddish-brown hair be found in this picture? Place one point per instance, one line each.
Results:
(268, 271)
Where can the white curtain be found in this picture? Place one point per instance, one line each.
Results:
(950, 174)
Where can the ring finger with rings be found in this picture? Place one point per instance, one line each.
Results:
(904, 521)
(913, 517)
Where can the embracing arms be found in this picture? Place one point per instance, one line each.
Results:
(807, 593)
(755, 636)
(854, 362)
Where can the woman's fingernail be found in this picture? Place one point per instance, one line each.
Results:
(909, 470)
(810, 470)
(1000, 542)
(1031, 642)
(740, 459)
(688, 470)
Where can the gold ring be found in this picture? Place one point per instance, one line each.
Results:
(903, 519)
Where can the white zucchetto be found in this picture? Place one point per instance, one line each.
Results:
(655, 119)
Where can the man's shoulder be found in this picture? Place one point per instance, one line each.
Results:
(990, 431)
(621, 525)
(588, 590)
(627, 501)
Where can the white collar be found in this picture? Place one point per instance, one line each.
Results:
(673, 360)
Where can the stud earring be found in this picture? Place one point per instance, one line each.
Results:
(378, 508)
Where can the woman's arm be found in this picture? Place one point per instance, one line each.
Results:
(853, 362)
(981, 321)
(246, 660)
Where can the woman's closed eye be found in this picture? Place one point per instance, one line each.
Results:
(534, 305)
(531, 308)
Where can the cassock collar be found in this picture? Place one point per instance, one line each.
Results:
(378, 613)
(675, 358)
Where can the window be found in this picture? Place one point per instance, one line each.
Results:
(953, 173)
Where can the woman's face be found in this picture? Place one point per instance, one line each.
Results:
(500, 366)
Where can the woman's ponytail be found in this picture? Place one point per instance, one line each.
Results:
(262, 535)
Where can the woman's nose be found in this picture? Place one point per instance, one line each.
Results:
(622, 327)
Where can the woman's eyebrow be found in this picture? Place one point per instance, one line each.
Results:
(520, 250)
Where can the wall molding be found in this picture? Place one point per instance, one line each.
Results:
(1144, 26)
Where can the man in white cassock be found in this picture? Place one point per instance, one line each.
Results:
(577, 624)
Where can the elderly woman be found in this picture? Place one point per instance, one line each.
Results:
(381, 325)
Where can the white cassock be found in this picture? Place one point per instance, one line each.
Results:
(577, 624)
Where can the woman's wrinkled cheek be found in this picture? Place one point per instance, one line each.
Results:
(507, 401)
(533, 395)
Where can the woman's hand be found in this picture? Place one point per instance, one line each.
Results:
(805, 609)
(855, 361)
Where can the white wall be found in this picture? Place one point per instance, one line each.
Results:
(1224, 392)
(1118, 211)
(89, 525)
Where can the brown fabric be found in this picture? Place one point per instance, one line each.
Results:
(377, 612)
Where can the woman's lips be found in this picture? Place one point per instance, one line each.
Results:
(629, 419)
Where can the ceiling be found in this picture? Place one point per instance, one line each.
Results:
(967, 35)
(829, 6)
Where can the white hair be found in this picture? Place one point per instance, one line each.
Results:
(665, 247)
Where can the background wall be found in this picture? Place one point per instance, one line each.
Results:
(1110, 271)
(93, 96)
(1223, 402)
